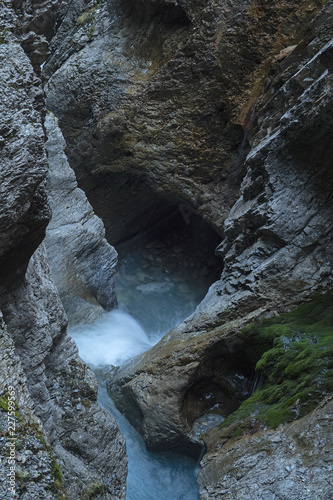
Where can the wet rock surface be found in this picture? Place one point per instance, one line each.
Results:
(57, 416)
(82, 261)
(276, 247)
(62, 387)
(294, 461)
(159, 104)
(163, 275)
(157, 98)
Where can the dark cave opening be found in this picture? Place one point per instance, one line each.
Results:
(224, 380)
(144, 12)
(165, 271)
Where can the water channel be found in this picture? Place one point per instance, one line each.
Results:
(159, 284)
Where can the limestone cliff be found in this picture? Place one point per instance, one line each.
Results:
(221, 108)
(156, 97)
(84, 438)
(286, 463)
(277, 246)
(66, 442)
(82, 261)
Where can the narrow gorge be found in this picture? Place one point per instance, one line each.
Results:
(166, 250)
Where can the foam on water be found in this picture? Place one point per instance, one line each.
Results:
(112, 340)
(159, 298)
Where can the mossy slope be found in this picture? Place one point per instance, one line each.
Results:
(297, 368)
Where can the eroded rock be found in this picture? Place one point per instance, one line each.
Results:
(85, 439)
(24, 210)
(29, 451)
(82, 261)
(295, 461)
(277, 251)
(58, 416)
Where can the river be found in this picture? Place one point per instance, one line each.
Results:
(153, 298)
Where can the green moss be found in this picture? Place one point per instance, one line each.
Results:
(4, 404)
(295, 359)
(86, 403)
(4, 35)
(58, 482)
(87, 16)
(56, 471)
(92, 490)
(83, 18)
(238, 432)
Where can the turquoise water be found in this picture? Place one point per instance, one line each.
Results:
(151, 476)
(158, 286)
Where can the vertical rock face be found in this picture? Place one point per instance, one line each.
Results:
(57, 415)
(85, 438)
(158, 103)
(24, 211)
(34, 460)
(62, 387)
(277, 245)
(82, 262)
(157, 99)
(295, 461)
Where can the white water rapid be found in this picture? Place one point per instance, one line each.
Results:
(159, 299)
(151, 476)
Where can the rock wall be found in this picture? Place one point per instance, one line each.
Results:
(286, 463)
(277, 247)
(156, 101)
(223, 108)
(62, 387)
(35, 463)
(24, 211)
(77, 446)
(82, 261)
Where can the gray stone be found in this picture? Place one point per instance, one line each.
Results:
(82, 261)
(37, 356)
(24, 211)
(277, 252)
(296, 468)
(86, 442)
(158, 103)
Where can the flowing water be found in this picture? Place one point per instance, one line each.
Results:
(158, 296)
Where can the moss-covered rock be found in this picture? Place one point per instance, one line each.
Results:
(297, 367)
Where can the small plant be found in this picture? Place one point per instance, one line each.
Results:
(19, 445)
(41, 438)
(21, 474)
(87, 16)
(92, 490)
(91, 32)
(4, 404)
(56, 471)
(294, 354)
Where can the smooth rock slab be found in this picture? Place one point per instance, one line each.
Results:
(82, 261)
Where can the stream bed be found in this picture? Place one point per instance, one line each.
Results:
(156, 292)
